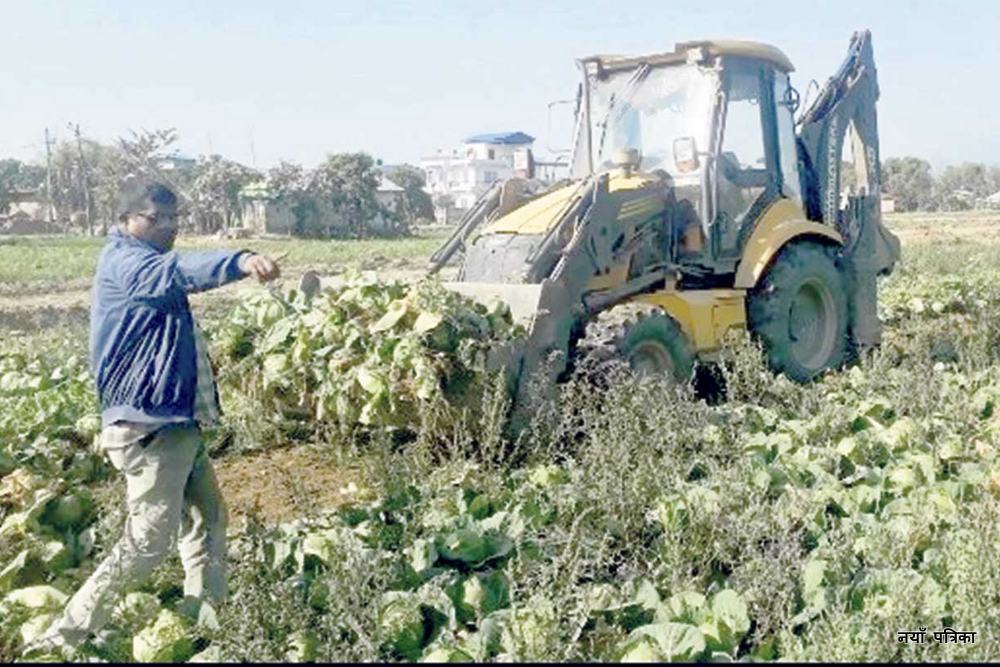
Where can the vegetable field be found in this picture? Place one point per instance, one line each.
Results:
(629, 522)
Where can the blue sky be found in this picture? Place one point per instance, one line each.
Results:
(265, 81)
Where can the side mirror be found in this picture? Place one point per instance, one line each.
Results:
(686, 154)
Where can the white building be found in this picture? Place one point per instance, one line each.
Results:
(993, 201)
(465, 173)
(175, 161)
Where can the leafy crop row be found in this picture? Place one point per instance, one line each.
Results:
(370, 354)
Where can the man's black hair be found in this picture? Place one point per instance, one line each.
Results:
(136, 196)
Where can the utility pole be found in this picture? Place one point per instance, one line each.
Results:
(51, 209)
(86, 180)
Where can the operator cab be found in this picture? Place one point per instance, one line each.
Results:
(714, 120)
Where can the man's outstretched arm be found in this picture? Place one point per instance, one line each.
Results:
(159, 281)
(207, 269)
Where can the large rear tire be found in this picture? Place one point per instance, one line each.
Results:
(799, 312)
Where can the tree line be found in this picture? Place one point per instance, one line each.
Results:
(911, 182)
(336, 198)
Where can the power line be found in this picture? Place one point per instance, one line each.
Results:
(88, 202)
(50, 209)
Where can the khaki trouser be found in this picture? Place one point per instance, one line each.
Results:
(172, 493)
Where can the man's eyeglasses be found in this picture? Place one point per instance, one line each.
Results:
(161, 218)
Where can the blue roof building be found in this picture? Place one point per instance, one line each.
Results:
(464, 173)
(501, 138)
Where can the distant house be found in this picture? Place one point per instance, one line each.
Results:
(963, 196)
(553, 170)
(463, 174)
(389, 194)
(26, 214)
(993, 201)
(29, 204)
(264, 213)
(176, 161)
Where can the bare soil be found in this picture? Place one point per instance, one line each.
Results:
(281, 484)
(943, 230)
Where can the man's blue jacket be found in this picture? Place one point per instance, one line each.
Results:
(142, 350)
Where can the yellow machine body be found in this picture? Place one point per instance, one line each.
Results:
(534, 217)
(539, 215)
(694, 239)
(782, 222)
(706, 315)
(703, 315)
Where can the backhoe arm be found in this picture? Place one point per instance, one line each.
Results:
(845, 104)
(845, 110)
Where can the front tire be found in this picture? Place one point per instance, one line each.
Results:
(633, 337)
(799, 312)
(655, 345)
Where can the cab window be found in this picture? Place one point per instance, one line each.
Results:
(742, 175)
(787, 150)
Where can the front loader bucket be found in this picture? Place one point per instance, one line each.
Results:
(522, 299)
(549, 314)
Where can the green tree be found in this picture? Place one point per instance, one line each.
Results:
(75, 179)
(417, 204)
(960, 186)
(347, 183)
(135, 156)
(214, 194)
(289, 184)
(16, 175)
(287, 181)
(141, 153)
(993, 175)
(910, 181)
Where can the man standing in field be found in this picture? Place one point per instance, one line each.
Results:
(157, 391)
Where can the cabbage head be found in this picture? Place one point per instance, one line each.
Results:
(166, 640)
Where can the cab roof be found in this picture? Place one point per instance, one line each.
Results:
(710, 47)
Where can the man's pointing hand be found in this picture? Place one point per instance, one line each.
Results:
(264, 268)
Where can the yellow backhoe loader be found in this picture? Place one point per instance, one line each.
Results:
(696, 193)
